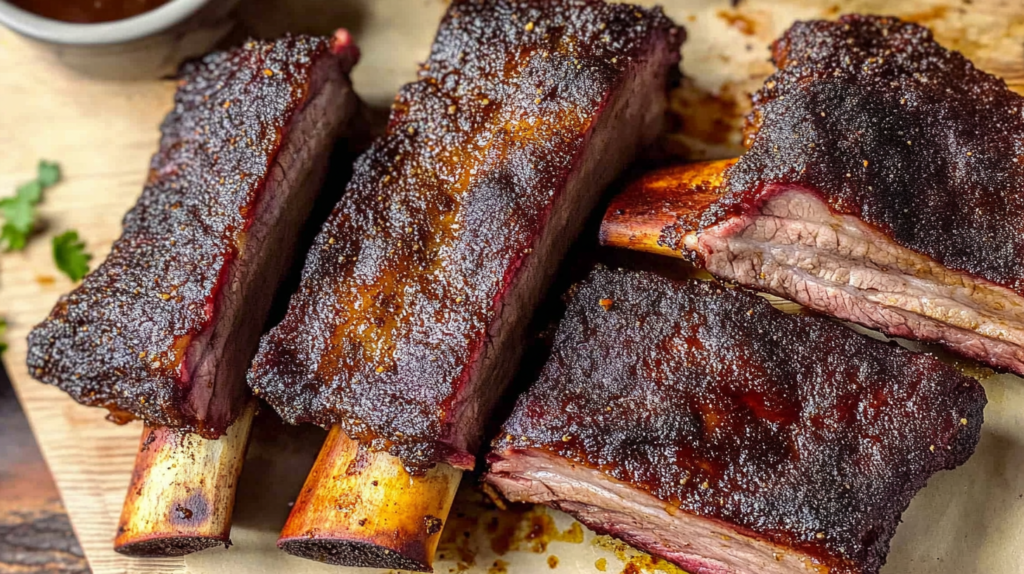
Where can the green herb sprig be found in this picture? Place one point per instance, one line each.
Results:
(70, 256)
(19, 220)
(19, 212)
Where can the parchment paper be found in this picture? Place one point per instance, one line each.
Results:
(968, 521)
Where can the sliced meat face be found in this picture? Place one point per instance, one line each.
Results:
(795, 246)
(608, 506)
(414, 299)
(703, 425)
(165, 328)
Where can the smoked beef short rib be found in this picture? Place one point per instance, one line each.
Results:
(409, 318)
(703, 425)
(165, 328)
(884, 185)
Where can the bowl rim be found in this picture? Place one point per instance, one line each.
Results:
(103, 33)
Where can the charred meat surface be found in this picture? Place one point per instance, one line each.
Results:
(884, 185)
(165, 328)
(414, 297)
(705, 426)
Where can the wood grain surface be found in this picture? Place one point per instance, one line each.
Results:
(35, 533)
(103, 134)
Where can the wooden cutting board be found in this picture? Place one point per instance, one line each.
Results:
(103, 133)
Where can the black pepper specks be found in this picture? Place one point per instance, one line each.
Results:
(809, 436)
(432, 242)
(154, 295)
(945, 175)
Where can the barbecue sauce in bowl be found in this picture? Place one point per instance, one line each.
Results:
(88, 11)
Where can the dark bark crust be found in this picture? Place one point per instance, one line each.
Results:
(120, 339)
(891, 127)
(401, 290)
(790, 428)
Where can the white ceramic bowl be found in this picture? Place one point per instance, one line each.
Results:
(149, 45)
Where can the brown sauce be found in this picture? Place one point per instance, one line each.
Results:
(88, 11)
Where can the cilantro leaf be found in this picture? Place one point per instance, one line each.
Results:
(19, 219)
(19, 214)
(48, 173)
(30, 192)
(12, 238)
(3, 328)
(70, 256)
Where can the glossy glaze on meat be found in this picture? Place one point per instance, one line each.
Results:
(165, 328)
(405, 328)
(770, 439)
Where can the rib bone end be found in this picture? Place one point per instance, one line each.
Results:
(182, 491)
(364, 509)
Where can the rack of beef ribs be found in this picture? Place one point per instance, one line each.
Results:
(703, 425)
(165, 328)
(884, 185)
(408, 322)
